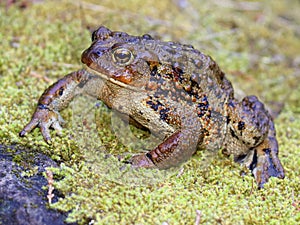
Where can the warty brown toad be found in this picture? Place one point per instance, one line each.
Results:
(173, 90)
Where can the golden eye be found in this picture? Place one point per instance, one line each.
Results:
(122, 56)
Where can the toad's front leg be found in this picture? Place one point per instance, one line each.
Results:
(57, 97)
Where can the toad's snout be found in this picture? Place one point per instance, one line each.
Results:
(90, 55)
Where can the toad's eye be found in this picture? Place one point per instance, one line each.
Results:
(122, 56)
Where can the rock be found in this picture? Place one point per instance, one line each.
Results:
(22, 199)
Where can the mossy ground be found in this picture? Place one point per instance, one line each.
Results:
(255, 42)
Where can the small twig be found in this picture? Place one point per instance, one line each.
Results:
(39, 76)
(198, 217)
(180, 172)
(50, 180)
(252, 187)
(242, 6)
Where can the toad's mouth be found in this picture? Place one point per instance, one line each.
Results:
(113, 80)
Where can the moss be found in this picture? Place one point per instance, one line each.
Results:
(256, 43)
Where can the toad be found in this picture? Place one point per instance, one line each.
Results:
(175, 91)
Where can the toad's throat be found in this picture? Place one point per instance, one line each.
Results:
(112, 80)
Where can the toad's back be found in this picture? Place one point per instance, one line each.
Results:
(195, 82)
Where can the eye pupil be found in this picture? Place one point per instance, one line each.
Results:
(122, 56)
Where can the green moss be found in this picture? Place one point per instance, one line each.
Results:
(256, 43)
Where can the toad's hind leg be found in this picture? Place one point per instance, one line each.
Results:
(251, 129)
(176, 149)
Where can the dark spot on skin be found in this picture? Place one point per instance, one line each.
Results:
(203, 106)
(225, 152)
(206, 132)
(231, 104)
(177, 74)
(176, 64)
(267, 150)
(228, 119)
(42, 106)
(61, 91)
(154, 72)
(254, 161)
(153, 69)
(158, 106)
(256, 140)
(164, 113)
(195, 85)
(241, 125)
(154, 105)
(178, 70)
(149, 156)
(233, 134)
(240, 158)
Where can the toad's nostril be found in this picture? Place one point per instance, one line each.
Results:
(97, 53)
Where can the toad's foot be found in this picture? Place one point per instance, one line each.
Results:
(141, 160)
(265, 165)
(44, 118)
